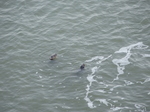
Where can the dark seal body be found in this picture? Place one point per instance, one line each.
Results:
(82, 66)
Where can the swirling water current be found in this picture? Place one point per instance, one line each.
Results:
(111, 37)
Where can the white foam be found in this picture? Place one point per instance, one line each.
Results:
(115, 87)
(101, 91)
(66, 107)
(91, 79)
(121, 63)
(77, 97)
(118, 108)
(88, 88)
(87, 99)
(147, 80)
(103, 59)
(146, 55)
(40, 69)
(89, 102)
(128, 82)
(94, 69)
(70, 63)
(95, 58)
(40, 76)
(127, 49)
(104, 101)
(140, 107)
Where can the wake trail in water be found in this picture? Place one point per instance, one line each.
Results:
(120, 63)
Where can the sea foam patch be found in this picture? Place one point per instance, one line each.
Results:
(121, 63)
(91, 79)
(95, 58)
(94, 77)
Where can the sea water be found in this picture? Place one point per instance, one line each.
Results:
(112, 39)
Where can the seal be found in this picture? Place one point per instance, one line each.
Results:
(53, 57)
(82, 66)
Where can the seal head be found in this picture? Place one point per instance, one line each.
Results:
(82, 66)
(53, 57)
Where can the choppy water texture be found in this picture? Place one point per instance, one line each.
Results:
(112, 38)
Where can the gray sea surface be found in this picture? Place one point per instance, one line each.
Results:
(111, 37)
